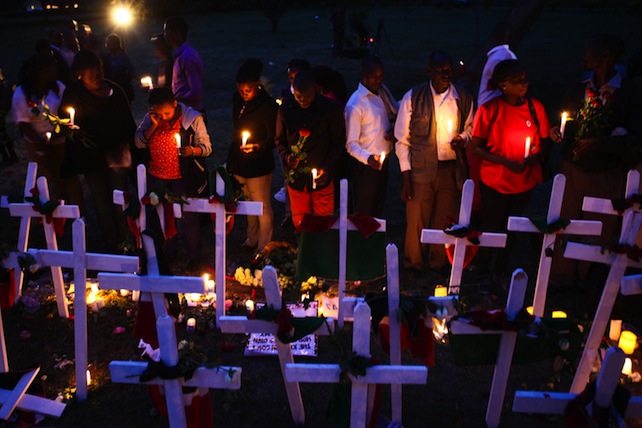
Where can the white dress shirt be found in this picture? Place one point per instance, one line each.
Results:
(445, 109)
(367, 125)
(495, 56)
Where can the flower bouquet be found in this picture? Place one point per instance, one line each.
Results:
(593, 118)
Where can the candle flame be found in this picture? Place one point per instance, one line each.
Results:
(245, 135)
(177, 137)
(382, 157)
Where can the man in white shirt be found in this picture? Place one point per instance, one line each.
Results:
(501, 35)
(432, 128)
(369, 114)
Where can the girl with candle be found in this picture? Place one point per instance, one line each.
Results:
(252, 163)
(167, 124)
(100, 149)
(502, 129)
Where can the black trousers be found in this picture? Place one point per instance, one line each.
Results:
(369, 188)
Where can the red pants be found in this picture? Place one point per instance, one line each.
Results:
(302, 202)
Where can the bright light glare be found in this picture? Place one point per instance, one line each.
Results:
(122, 15)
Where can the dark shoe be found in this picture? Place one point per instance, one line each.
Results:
(287, 222)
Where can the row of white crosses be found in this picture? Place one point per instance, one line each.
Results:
(157, 286)
(78, 259)
(198, 205)
(394, 374)
(433, 236)
(25, 211)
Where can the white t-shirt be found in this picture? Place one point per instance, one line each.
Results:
(22, 112)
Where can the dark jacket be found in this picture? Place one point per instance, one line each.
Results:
(106, 126)
(324, 120)
(258, 117)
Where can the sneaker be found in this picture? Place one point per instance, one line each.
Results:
(280, 195)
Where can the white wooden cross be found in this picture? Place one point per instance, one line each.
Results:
(80, 261)
(26, 212)
(18, 397)
(575, 227)
(556, 402)
(157, 286)
(619, 262)
(378, 374)
(141, 187)
(507, 342)
(433, 236)
(200, 205)
(241, 324)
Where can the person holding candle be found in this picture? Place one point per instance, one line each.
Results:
(432, 158)
(369, 115)
(596, 162)
(319, 122)
(167, 125)
(100, 149)
(254, 119)
(510, 136)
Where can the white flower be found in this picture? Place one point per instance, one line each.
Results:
(153, 199)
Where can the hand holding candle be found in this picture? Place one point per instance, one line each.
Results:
(72, 116)
(314, 178)
(563, 124)
(245, 135)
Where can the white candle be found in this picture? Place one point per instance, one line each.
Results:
(314, 178)
(124, 292)
(191, 324)
(614, 330)
(249, 305)
(88, 378)
(382, 157)
(94, 287)
(146, 82)
(563, 123)
(628, 367)
(527, 147)
(177, 137)
(244, 135)
(450, 128)
(279, 101)
(72, 115)
(47, 137)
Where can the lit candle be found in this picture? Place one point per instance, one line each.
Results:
(47, 137)
(72, 115)
(124, 292)
(559, 314)
(314, 178)
(529, 310)
(210, 286)
(614, 329)
(527, 147)
(279, 101)
(627, 368)
(563, 123)
(244, 135)
(177, 137)
(249, 305)
(441, 291)
(191, 325)
(88, 378)
(94, 287)
(382, 157)
(450, 128)
(146, 82)
(627, 342)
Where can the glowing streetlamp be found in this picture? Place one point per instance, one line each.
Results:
(122, 15)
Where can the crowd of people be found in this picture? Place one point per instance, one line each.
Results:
(440, 132)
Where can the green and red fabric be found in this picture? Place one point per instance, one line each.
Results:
(47, 208)
(577, 416)
(543, 226)
(290, 329)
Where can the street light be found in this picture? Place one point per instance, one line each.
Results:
(122, 15)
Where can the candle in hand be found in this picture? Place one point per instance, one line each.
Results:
(382, 158)
(314, 178)
(450, 128)
(245, 135)
(527, 147)
(47, 137)
(177, 137)
(563, 124)
(72, 115)
(146, 82)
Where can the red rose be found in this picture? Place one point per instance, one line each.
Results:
(590, 92)
(144, 200)
(607, 95)
(31, 104)
(304, 132)
(597, 103)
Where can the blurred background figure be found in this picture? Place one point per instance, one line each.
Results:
(7, 152)
(163, 52)
(121, 67)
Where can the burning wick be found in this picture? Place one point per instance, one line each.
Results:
(314, 178)
(382, 158)
(244, 135)
(47, 137)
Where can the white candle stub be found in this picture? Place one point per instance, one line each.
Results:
(382, 157)
(563, 124)
(146, 82)
(177, 137)
(72, 116)
(191, 324)
(249, 305)
(47, 137)
(527, 147)
(314, 178)
(245, 135)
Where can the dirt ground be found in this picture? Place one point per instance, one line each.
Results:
(454, 396)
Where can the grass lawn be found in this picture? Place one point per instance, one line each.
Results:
(454, 396)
